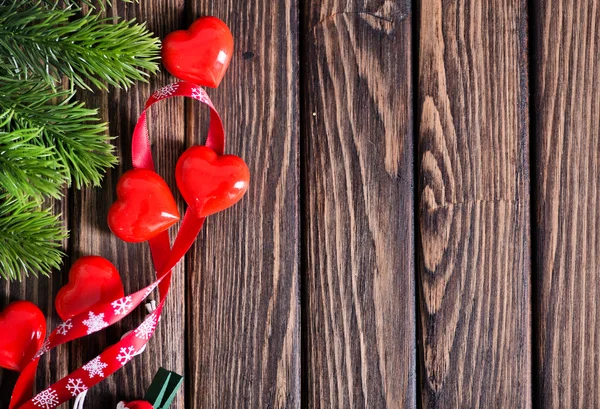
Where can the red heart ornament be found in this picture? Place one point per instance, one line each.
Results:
(22, 333)
(145, 207)
(200, 54)
(210, 183)
(93, 280)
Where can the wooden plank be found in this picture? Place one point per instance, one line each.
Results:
(359, 310)
(243, 274)
(40, 291)
(474, 204)
(567, 123)
(90, 232)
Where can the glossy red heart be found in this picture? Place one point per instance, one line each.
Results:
(200, 54)
(93, 280)
(145, 207)
(22, 333)
(210, 183)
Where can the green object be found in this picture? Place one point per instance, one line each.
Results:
(48, 140)
(175, 382)
(29, 237)
(77, 143)
(90, 3)
(50, 42)
(163, 389)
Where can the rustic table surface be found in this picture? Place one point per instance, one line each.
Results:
(421, 228)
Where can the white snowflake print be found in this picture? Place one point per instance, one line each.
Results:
(166, 91)
(126, 355)
(43, 349)
(201, 95)
(150, 289)
(64, 327)
(76, 386)
(95, 367)
(95, 322)
(145, 330)
(122, 306)
(46, 399)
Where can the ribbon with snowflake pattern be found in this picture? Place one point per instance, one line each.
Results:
(102, 316)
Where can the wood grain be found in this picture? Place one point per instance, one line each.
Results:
(474, 204)
(90, 234)
(243, 274)
(567, 123)
(359, 308)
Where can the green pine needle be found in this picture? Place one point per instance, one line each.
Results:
(51, 43)
(30, 239)
(28, 169)
(90, 3)
(79, 143)
(48, 139)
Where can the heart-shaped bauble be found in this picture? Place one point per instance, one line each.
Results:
(138, 404)
(200, 54)
(93, 280)
(22, 333)
(210, 183)
(145, 207)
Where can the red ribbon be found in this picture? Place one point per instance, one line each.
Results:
(102, 316)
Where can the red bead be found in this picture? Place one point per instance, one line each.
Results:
(210, 183)
(145, 207)
(22, 333)
(200, 54)
(138, 404)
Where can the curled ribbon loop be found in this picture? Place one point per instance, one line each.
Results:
(102, 316)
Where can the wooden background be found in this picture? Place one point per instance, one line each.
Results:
(421, 228)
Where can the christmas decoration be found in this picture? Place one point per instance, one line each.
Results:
(23, 329)
(29, 236)
(160, 394)
(210, 183)
(76, 387)
(200, 54)
(79, 390)
(138, 404)
(163, 389)
(47, 138)
(46, 399)
(145, 206)
(99, 317)
(93, 280)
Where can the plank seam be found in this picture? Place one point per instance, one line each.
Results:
(302, 281)
(416, 114)
(536, 381)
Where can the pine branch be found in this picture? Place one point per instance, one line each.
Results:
(30, 239)
(50, 43)
(73, 133)
(46, 137)
(28, 169)
(76, 3)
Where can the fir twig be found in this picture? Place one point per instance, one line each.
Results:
(29, 239)
(77, 138)
(26, 168)
(50, 43)
(46, 137)
(90, 3)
